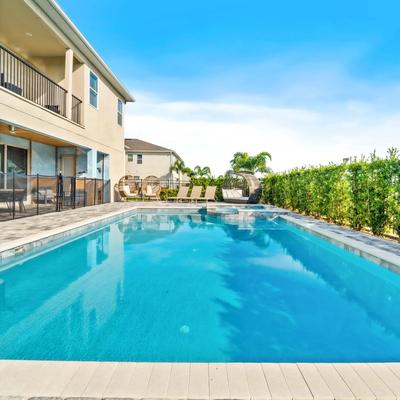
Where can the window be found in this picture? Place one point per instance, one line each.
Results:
(140, 158)
(120, 110)
(17, 160)
(94, 89)
(130, 157)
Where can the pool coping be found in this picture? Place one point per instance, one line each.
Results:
(56, 380)
(381, 257)
(23, 379)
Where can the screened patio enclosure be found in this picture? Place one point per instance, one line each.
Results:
(30, 170)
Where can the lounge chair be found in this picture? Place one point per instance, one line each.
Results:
(234, 196)
(128, 194)
(182, 194)
(151, 188)
(44, 195)
(151, 192)
(195, 194)
(209, 195)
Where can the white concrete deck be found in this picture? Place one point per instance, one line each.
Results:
(112, 380)
(115, 380)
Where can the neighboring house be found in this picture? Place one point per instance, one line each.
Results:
(145, 159)
(61, 107)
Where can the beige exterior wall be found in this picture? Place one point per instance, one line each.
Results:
(99, 130)
(52, 67)
(99, 134)
(156, 164)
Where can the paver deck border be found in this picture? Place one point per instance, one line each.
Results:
(22, 380)
(372, 253)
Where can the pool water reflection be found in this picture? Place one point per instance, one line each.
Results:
(156, 287)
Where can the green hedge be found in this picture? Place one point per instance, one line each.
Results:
(363, 194)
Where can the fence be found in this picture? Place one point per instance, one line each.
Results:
(76, 110)
(27, 195)
(19, 77)
(166, 184)
(22, 79)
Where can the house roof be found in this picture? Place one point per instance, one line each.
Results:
(141, 146)
(72, 34)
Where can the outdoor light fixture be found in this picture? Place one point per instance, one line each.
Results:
(11, 129)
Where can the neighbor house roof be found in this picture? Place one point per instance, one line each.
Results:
(56, 15)
(140, 146)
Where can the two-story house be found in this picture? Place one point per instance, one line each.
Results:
(61, 107)
(145, 159)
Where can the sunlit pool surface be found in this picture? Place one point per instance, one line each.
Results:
(156, 287)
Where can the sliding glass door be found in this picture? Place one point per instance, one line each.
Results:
(17, 160)
(13, 160)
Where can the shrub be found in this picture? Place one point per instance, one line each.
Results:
(363, 194)
(165, 193)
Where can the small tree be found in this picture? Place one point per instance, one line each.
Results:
(181, 169)
(202, 171)
(245, 162)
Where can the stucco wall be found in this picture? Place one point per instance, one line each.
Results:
(100, 131)
(47, 51)
(156, 164)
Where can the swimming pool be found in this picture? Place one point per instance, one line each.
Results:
(191, 287)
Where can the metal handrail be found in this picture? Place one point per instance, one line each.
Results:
(24, 80)
(76, 110)
(29, 66)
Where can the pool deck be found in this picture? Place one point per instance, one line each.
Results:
(20, 380)
(197, 381)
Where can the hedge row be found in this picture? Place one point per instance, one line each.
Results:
(362, 194)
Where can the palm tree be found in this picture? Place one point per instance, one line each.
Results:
(253, 164)
(181, 169)
(202, 172)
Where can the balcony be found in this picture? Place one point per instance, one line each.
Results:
(22, 79)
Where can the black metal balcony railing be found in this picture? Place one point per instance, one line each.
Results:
(22, 79)
(76, 110)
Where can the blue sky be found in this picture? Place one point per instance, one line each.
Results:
(310, 81)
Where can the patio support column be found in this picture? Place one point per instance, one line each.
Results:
(69, 64)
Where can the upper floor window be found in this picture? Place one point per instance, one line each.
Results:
(120, 111)
(94, 89)
(130, 157)
(140, 158)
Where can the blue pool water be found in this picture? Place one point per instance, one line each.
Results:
(158, 287)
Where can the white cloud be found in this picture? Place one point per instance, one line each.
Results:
(209, 133)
